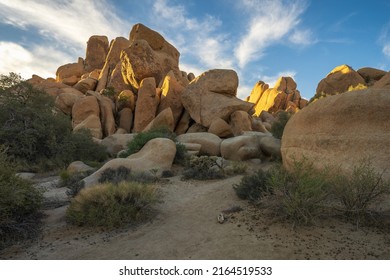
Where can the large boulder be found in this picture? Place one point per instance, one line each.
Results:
(86, 84)
(149, 55)
(113, 58)
(240, 121)
(97, 49)
(157, 154)
(213, 95)
(86, 114)
(341, 130)
(220, 128)
(243, 147)
(107, 116)
(70, 73)
(171, 96)
(371, 75)
(383, 83)
(117, 142)
(125, 119)
(210, 143)
(66, 99)
(339, 80)
(147, 104)
(163, 119)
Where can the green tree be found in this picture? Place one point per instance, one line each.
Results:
(34, 132)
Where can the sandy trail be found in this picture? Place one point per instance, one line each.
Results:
(186, 227)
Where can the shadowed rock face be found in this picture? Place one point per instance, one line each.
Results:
(97, 49)
(341, 130)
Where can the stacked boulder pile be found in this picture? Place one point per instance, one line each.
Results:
(284, 96)
(133, 85)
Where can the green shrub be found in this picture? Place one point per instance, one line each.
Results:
(39, 137)
(279, 124)
(112, 206)
(360, 190)
(203, 168)
(144, 137)
(122, 173)
(20, 205)
(254, 187)
(236, 167)
(303, 190)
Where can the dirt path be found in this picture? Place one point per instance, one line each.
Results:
(186, 227)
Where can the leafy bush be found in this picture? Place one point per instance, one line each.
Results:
(36, 134)
(144, 137)
(303, 190)
(236, 167)
(203, 168)
(20, 205)
(360, 190)
(254, 187)
(121, 174)
(112, 206)
(279, 124)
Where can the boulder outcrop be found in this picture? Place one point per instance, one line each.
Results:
(284, 96)
(149, 55)
(213, 95)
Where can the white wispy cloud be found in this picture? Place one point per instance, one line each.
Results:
(64, 28)
(200, 38)
(303, 37)
(34, 60)
(65, 21)
(269, 22)
(384, 39)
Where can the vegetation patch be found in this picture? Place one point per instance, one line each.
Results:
(122, 173)
(279, 124)
(111, 205)
(360, 190)
(20, 205)
(254, 187)
(203, 168)
(38, 137)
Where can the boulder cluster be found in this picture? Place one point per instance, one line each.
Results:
(344, 78)
(134, 85)
(284, 96)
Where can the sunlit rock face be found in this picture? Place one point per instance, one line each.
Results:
(284, 96)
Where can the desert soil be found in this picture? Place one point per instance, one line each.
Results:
(185, 226)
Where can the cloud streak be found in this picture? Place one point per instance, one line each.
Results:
(270, 21)
(64, 21)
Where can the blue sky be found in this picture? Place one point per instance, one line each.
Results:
(260, 39)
